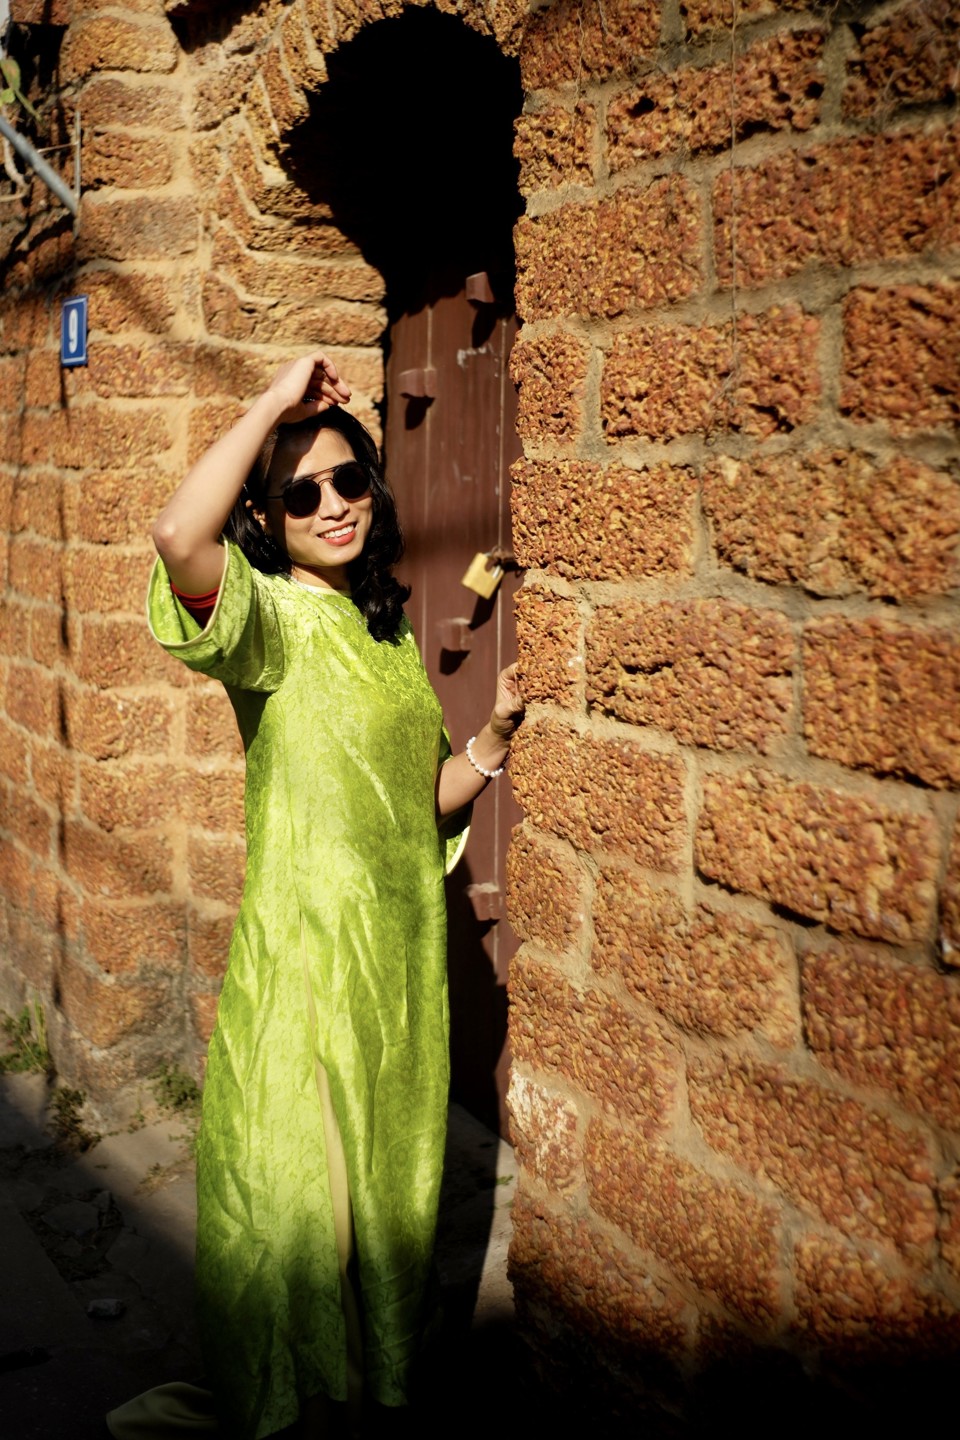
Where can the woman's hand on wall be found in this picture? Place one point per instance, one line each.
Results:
(508, 709)
(463, 776)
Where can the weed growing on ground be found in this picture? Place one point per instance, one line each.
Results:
(176, 1090)
(66, 1120)
(27, 1038)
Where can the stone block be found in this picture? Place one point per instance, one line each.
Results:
(712, 672)
(43, 380)
(33, 699)
(129, 300)
(901, 366)
(220, 369)
(33, 888)
(51, 252)
(36, 504)
(849, 862)
(893, 1027)
(285, 277)
(215, 866)
(132, 162)
(137, 796)
(109, 42)
(105, 580)
(288, 104)
(639, 249)
(141, 370)
(568, 41)
(699, 18)
(333, 322)
(304, 62)
(225, 90)
(554, 147)
(29, 823)
(273, 193)
(948, 1197)
(116, 868)
(884, 697)
(550, 374)
(25, 323)
(33, 569)
(53, 770)
(543, 1131)
(851, 202)
(203, 1011)
(106, 726)
(661, 382)
(833, 1157)
(545, 891)
(119, 652)
(606, 795)
(588, 522)
(216, 800)
(47, 646)
(15, 615)
(837, 522)
(13, 753)
(123, 104)
(852, 1302)
(710, 972)
(41, 12)
(117, 506)
(907, 58)
(950, 904)
(12, 382)
(107, 1011)
(549, 646)
(776, 85)
(582, 1278)
(145, 228)
(714, 1234)
(212, 725)
(593, 1042)
(92, 435)
(124, 938)
(208, 939)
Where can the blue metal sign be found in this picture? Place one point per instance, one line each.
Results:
(73, 331)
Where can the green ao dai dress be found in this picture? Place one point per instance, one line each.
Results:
(335, 998)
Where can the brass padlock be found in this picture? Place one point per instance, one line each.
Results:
(482, 577)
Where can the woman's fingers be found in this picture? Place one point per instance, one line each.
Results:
(309, 383)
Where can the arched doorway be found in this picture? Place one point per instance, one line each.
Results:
(410, 143)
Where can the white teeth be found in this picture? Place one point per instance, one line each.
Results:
(335, 534)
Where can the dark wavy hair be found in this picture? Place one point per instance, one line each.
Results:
(376, 592)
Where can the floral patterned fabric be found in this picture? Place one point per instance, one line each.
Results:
(338, 959)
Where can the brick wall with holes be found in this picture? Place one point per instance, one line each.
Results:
(735, 1017)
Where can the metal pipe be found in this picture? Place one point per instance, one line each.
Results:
(37, 162)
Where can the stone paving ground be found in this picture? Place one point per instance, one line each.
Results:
(97, 1246)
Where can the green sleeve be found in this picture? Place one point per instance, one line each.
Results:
(242, 642)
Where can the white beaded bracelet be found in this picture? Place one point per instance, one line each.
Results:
(488, 774)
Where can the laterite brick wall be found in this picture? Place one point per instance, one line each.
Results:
(735, 1024)
(735, 1018)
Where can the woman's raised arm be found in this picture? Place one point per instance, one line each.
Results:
(187, 530)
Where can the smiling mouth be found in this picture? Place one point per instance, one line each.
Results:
(340, 533)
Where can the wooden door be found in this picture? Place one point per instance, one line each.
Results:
(450, 439)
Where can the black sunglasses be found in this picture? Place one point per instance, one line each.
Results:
(301, 496)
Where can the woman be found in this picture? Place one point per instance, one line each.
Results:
(321, 1147)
